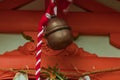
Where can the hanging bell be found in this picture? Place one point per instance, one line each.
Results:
(58, 34)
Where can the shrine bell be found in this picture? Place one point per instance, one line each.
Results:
(58, 34)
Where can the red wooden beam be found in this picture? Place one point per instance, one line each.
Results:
(92, 6)
(19, 21)
(13, 4)
(84, 23)
(94, 23)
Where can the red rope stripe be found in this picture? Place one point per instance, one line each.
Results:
(52, 9)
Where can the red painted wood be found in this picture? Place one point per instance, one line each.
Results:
(115, 39)
(93, 6)
(73, 57)
(67, 59)
(84, 64)
(94, 23)
(19, 21)
(16, 60)
(13, 4)
(84, 23)
(20, 58)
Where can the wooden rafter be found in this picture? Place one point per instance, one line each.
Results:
(13, 4)
(92, 6)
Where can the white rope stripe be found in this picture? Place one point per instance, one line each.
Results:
(38, 52)
(38, 71)
(69, 0)
(55, 10)
(52, 1)
(38, 79)
(47, 79)
(40, 33)
(38, 62)
(39, 43)
(48, 15)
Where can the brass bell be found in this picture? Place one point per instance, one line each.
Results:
(58, 34)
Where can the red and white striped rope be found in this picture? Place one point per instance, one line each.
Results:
(52, 9)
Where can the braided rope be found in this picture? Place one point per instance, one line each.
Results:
(52, 9)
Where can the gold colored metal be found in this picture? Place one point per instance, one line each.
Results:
(58, 34)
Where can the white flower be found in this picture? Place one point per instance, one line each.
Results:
(85, 78)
